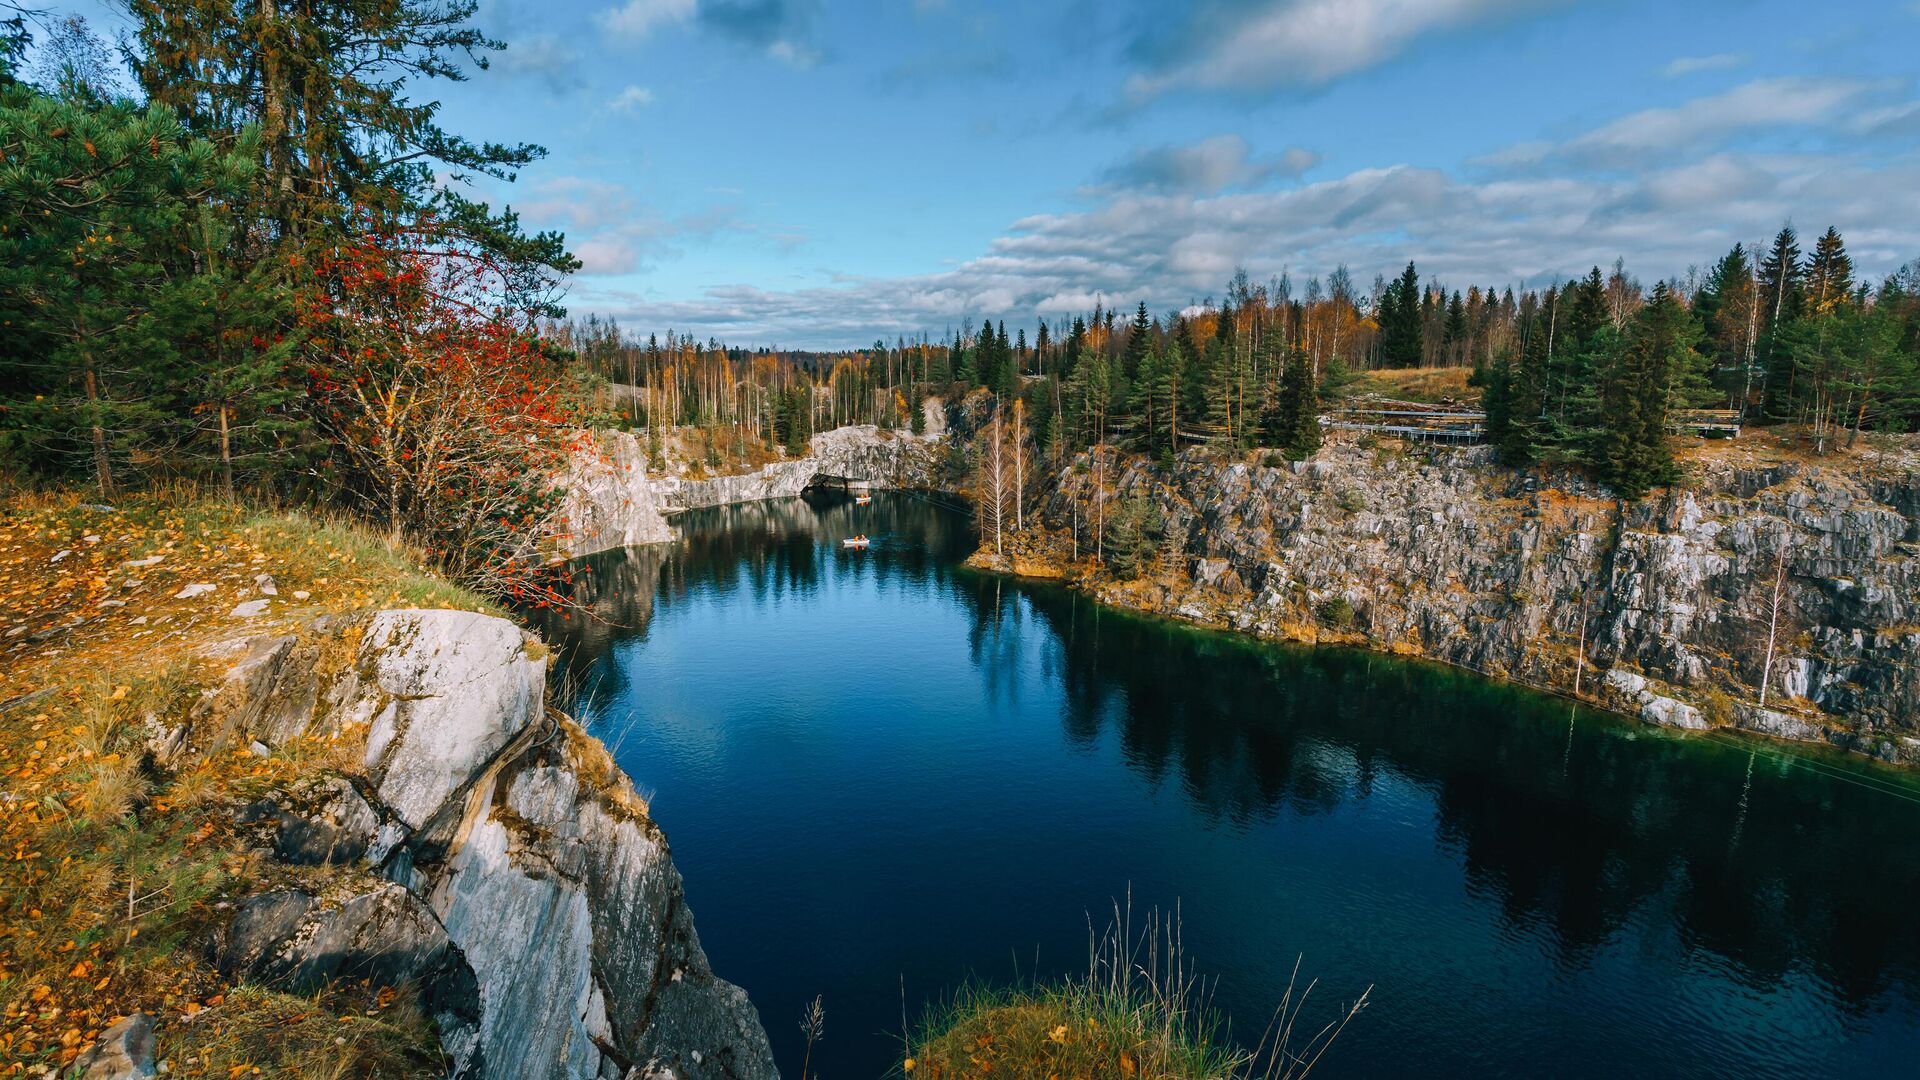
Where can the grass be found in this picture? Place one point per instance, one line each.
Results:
(349, 1033)
(1139, 1013)
(113, 864)
(1425, 384)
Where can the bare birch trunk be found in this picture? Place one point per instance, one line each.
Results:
(1773, 619)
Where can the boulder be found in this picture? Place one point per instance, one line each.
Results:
(456, 688)
(123, 1052)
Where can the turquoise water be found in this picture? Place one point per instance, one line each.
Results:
(882, 775)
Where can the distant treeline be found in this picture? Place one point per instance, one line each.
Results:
(1590, 370)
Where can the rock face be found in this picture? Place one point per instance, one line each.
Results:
(613, 503)
(1662, 608)
(489, 852)
(609, 503)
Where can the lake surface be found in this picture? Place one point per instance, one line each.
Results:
(882, 775)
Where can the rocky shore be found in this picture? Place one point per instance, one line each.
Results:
(1661, 608)
(613, 502)
(490, 855)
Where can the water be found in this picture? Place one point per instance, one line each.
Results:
(881, 772)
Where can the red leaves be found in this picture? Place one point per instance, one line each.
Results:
(445, 408)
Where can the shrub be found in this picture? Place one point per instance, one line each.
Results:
(1131, 536)
(446, 419)
(1338, 613)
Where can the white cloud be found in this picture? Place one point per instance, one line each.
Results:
(541, 56)
(607, 255)
(1898, 120)
(638, 18)
(799, 54)
(1228, 45)
(612, 232)
(1762, 103)
(1203, 168)
(1702, 124)
(631, 100)
(1690, 65)
(1170, 249)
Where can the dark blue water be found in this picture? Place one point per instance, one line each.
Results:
(881, 771)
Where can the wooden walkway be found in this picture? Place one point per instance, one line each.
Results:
(1441, 424)
(1414, 421)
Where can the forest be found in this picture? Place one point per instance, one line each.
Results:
(244, 273)
(1592, 371)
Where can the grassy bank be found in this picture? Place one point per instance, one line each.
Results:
(1140, 1012)
(118, 866)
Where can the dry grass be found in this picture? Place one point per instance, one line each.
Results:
(114, 862)
(350, 1033)
(1139, 1013)
(1435, 385)
(1782, 444)
(707, 452)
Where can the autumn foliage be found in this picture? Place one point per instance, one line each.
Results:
(446, 420)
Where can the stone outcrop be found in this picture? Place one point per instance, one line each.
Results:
(1659, 608)
(612, 502)
(609, 502)
(487, 851)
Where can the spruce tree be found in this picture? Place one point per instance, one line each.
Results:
(104, 231)
(1455, 336)
(1138, 339)
(1496, 402)
(1400, 321)
(1299, 407)
(1829, 280)
(1657, 372)
(327, 88)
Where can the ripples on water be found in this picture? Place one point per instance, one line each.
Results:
(878, 769)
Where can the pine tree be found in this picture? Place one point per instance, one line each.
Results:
(1152, 406)
(1780, 295)
(110, 206)
(1299, 407)
(326, 86)
(1400, 321)
(1496, 402)
(1455, 336)
(1007, 372)
(1138, 340)
(1657, 372)
(1076, 345)
(1130, 536)
(1829, 280)
(1728, 310)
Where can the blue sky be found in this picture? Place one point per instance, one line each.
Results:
(819, 173)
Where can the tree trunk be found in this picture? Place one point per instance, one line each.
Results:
(102, 465)
(1773, 619)
(1019, 469)
(226, 455)
(1580, 657)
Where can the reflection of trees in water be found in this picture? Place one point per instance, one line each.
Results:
(763, 550)
(1570, 831)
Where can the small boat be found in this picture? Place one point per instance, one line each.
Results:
(862, 500)
(855, 542)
